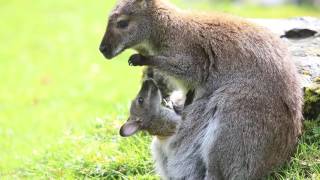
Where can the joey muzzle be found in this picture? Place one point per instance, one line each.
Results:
(130, 128)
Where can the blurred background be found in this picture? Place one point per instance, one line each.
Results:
(267, 2)
(62, 103)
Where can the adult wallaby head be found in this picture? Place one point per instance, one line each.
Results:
(128, 26)
(143, 109)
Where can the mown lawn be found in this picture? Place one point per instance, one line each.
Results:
(61, 102)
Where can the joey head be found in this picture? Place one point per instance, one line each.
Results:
(147, 113)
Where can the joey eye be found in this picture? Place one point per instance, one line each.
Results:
(140, 100)
(122, 24)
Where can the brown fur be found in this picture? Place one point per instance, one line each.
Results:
(246, 113)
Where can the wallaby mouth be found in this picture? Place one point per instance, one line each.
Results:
(108, 56)
(109, 52)
(106, 51)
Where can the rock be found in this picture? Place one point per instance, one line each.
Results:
(303, 38)
(298, 33)
(312, 103)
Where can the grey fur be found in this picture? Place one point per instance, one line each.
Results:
(165, 84)
(147, 113)
(172, 94)
(245, 119)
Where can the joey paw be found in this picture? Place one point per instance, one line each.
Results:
(137, 60)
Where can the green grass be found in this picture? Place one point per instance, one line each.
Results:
(61, 103)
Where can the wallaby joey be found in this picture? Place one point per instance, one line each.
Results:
(245, 117)
(147, 113)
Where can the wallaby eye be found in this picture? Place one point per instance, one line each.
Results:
(140, 100)
(122, 24)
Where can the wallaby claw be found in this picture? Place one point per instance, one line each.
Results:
(137, 60)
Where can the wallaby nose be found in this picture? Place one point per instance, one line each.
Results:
(106, 50)
(102, 48)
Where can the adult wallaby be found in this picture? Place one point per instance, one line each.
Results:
(245, 118)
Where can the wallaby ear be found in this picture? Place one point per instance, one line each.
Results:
(146, 86)
(129, 128)
(150, 83)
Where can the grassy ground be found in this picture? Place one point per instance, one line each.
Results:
(61, 103)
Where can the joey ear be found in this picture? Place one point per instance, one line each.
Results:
(129, 128)
(150, 83)
(146, 85)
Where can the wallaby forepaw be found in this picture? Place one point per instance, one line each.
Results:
(137, 60)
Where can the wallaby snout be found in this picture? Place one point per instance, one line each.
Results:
(109, 46)
(131, 127)
(128, 27)
(105, 50)
(144, 108)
